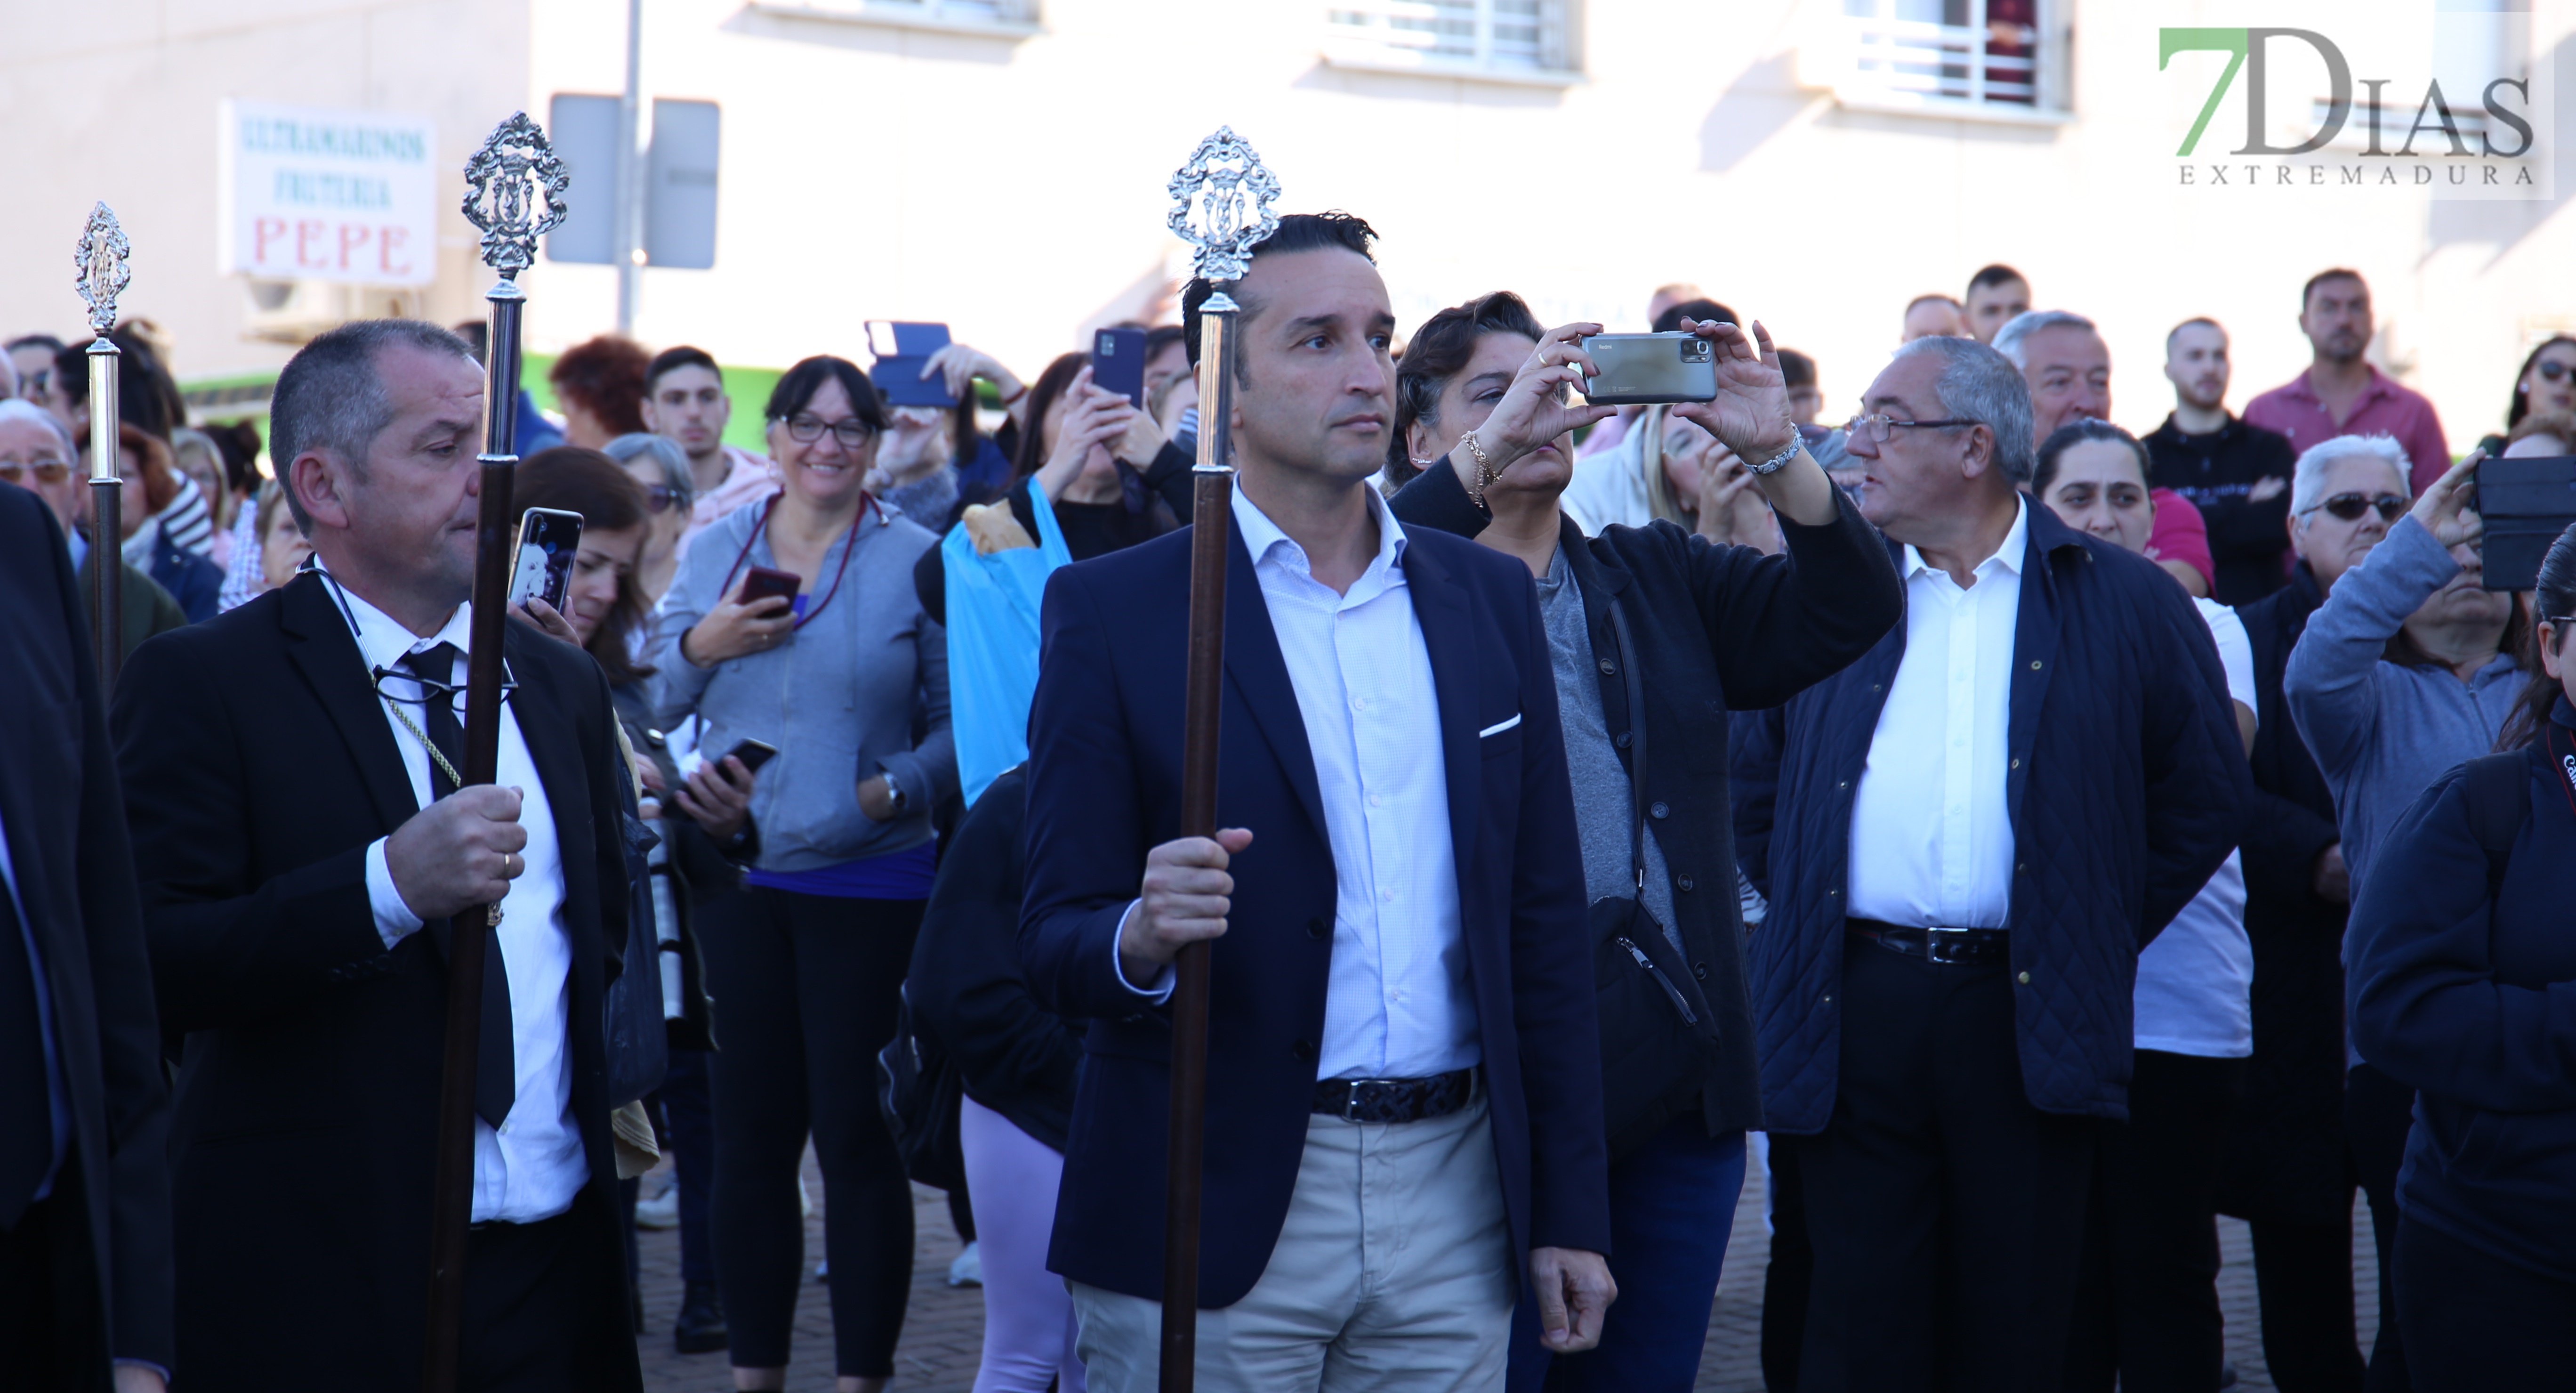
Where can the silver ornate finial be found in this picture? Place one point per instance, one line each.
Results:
(1220, 175)
(103, 272)
(502, 184)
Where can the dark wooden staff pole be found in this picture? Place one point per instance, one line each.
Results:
(502, 172)
(453, 1208)
(1211, 529)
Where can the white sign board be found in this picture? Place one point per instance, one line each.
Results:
(311, 194)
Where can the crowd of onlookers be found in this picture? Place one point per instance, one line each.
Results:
(2326, 535)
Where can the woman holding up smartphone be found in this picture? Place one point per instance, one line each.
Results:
(839, 678)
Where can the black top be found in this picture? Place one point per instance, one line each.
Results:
(1717, 628)
(967, 991)
(1090, 529)
(2216, 471)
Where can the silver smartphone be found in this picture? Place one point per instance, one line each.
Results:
(1635, 369)
(549, 539)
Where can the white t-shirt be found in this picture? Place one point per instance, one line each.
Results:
(2196, 981)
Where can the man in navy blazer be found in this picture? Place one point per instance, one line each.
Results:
(1403, 1105)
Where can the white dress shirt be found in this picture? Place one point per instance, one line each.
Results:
(1931, 832)
(1396, 1003)
(533, 1166)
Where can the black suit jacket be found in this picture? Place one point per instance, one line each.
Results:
(258, 768)
(67, 849)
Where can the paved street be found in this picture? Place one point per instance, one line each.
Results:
(944, 1330)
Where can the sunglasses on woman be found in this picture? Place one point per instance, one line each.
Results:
(659, 497)
(2349, 507)
(2551, 369)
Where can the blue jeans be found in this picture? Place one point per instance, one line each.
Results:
(1672, 1206)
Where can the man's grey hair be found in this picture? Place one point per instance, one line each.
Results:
(331, 398)
(664, 451)
(21, 409)
(2308, 480)
(2011, 339)
(1978, 384)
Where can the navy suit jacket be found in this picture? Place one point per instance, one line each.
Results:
(1104, 788)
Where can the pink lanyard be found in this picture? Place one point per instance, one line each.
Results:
(849, 543)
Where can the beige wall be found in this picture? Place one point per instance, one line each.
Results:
(1015, 188)
(117, 100)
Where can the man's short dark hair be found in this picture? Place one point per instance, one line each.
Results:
(46, 342)
(1703, 310)
(1298, 232)
(1796, 369)
(330, 397)
(672, 360)
(1994, 275)
(1933, 299)
(2332, 273)
(2195, 319)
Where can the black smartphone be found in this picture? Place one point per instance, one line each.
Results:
(1644, 368)
(901, 350)
(2523, 504)
(1118, 363)
(753, 753)
(760, 582)
(549, 539)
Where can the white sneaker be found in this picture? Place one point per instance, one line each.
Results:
(968, 1269)
(662, 1211)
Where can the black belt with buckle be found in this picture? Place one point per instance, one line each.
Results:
(1396, 1100)
(1959, 947)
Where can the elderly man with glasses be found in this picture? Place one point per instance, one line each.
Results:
(36, 454)
(1966, 837)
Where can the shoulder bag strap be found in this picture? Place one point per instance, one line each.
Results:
(1626, 657)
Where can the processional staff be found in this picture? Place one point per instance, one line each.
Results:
(1210, 212)
(103, 276)
(514, 194)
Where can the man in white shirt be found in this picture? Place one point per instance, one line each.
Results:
(685, 399)
(293, 780)
(1966, 837)
(1404, 1121)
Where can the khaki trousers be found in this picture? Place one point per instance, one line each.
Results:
(1392, 1272)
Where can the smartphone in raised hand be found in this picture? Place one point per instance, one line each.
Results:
(549, 539)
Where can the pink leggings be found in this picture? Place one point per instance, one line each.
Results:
(1028, 1318)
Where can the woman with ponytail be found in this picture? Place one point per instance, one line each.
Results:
(2463, 988)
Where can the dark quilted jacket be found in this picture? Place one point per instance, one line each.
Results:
(2285, 1159)
(2127, 788)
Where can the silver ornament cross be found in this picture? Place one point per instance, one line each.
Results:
(514, 193)
(103, 272)
(1215, 184)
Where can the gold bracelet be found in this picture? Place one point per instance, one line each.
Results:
(1485, 472)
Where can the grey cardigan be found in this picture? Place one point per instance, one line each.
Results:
(840, 698)
(2382, 733)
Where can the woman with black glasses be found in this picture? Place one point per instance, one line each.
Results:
(838, 680)
(2546, 383)
(2403, 672)
(2460, 968)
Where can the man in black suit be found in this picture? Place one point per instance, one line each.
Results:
(1404, 1112)
(84, 1113)
(290, 769)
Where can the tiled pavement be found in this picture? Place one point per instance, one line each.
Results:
(944, 1329)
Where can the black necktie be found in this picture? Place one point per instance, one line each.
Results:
(26, 1098)
(496, 1075)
